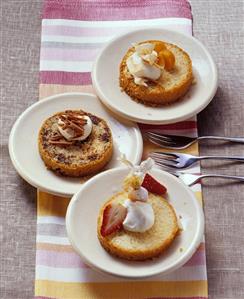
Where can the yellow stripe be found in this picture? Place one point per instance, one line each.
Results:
(51, 205)
(135, 290)
(54, 247)
(46, 90)
(198, 195)
(149, 147)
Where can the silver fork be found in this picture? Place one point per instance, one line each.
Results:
(178, 160)
(181, 142)
(191, 179)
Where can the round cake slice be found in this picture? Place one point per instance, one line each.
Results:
(84, 153)
(171, 85)
(141, 246)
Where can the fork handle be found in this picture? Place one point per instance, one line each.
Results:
(231, 139)
(234, 158)
(224, 176)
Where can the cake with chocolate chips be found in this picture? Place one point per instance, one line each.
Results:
(75, 143)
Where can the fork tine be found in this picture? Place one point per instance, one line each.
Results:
(160, 141)
(170, 162)
(174, 141)
(164, 144)
(161, 163)
(170, 154)
(170, 170)
(175, 138)
(160, 137)
(164, 159)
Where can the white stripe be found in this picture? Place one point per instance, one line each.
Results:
(50, 220)
(76, 39)
(66, 66)
(52, 240)
(103, 39)
(109, 24)
(89, 275)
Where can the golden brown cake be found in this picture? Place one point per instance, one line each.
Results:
(142, 246)
(74, 157)
(172, 85)
(137, 223)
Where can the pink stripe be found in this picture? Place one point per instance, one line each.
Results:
(41, 297)
(184, 125)
(115, 10)
(59, 259)
(72, 260)
(68, 54)
(197, 259)
(65, 78)
(195, 297)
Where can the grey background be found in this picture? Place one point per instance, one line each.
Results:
(218, 24)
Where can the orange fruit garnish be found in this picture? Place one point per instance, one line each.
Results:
(161, 60)
(169, 59)
(159, 46)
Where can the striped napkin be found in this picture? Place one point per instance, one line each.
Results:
(73, 31)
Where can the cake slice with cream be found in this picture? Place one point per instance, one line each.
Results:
(137, 223)
(75, 143)
(155, 72)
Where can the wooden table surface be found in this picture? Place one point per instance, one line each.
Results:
(218, 25)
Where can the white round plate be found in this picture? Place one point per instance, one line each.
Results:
(84, 208)
(105, 78)
(23, 143)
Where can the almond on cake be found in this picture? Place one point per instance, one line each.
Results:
(75, 143)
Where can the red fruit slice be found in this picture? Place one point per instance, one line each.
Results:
(153, 186)
(113, 217)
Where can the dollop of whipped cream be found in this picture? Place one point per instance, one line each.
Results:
(138, 194)
(140, 216)
(141, 64)
(70, 132)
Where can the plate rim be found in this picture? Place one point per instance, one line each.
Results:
(18, 166)
(185, 257)
(127, 115)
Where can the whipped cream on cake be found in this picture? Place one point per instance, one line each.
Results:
(140, 214)
(78, 129)
(72, 126)
(142, 64)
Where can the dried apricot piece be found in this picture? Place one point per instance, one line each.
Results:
(159, 46)
(169, 59)
(161, 59)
